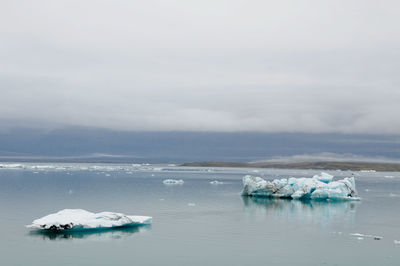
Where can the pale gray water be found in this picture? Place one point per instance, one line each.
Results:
(222, 228)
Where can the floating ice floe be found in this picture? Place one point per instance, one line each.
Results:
(361, 236)
(173, 182)
(396, 242)
(11, 166)
(216, 182)
(79, 219)
(301, 188)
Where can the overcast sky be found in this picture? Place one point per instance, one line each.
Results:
(307, 66)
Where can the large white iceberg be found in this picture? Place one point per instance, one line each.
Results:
(80, 219)
(301, 188)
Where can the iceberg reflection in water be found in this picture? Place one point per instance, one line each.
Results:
(306, 210)
(101, 234)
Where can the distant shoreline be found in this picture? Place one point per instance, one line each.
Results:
(344, 166)
(317, 165)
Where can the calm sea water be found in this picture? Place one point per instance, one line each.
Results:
(195, 223)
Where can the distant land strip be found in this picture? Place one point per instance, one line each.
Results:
(352, 166)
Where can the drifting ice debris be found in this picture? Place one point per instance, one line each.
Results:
(300, 188)
(358, 235)
(79, 219)
(397, 242)
(216, 182)
(173, 182)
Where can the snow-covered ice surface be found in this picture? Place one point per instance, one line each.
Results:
(173, 182)
(301, 188)
(78, 219)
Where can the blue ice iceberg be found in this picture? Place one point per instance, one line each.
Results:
(319, 187)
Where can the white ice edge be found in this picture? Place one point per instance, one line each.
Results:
(301, 188)
(82, 219)
(367, 236)
(173, 181)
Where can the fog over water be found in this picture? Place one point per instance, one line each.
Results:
(268, 66)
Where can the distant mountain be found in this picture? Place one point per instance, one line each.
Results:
(322, 165)
(106, 145)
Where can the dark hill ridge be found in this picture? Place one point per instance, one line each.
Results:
(91, 143)
(353, 166)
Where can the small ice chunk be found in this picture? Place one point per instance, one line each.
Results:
(191, 204)
(396, 242)
(173, 182)
(216, 182)
(81, 219)
(358, 235)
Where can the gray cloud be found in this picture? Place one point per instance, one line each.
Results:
(308, 66)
